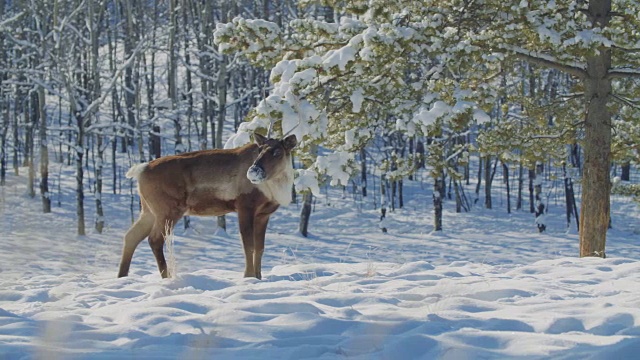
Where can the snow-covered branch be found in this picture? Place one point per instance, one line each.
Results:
(246, 95)
(558, 135)
(625, 49)
(624, 73)
(626, 101)
(456, 154)
(548, 61)
(114, 79)
(6, 22)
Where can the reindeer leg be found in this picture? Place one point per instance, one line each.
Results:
(259, 230)
(245, 221)
(156, 242)
(138, 231)
(157, 238)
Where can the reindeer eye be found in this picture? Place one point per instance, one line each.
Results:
(277, 152)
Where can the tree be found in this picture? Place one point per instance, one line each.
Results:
(341, 83)
(457, 47)
(601, 56)
(4, 101)
(531, 130)
(593, 42)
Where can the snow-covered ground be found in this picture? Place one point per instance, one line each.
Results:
(488, 287)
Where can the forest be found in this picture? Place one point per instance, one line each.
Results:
(466, 178)
(375, 91)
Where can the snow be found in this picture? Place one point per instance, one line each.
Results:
(238, 139)
(307, 180)
(481, 117)
(429, 117)
(356, 100)
(284, 70)
(339, 58)
(336, 165)
(487, 287)
(545, 33)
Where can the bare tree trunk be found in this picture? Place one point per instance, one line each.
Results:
(222, 106)
(222, 101)
(520, 183)
(437, 203)
(80, 173)
(95, 88)
(505, 175)
(130, 89)
(44, 153)
(305, 213)
(568, 203)
(363, 171)
(456, 189)
(99, 222)
(626, 171)
(4, 105)
(412, 155)
(420, 150)
(204, 36)
(532, 176)
(393, 184)
(488, 204)
(188, 75)
(3, 138)
(116, 110)
(155, 142)
(479, 184)
(575, 156)
(383, 203)
(400, 194)
(570, 200)
(29, 147)
(172, 76)
(539, 207)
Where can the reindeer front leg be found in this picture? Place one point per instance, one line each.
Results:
(259, 230)
(245, 222)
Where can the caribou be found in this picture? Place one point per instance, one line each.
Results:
(252, 180)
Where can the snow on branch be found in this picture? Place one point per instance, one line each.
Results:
(625, 49)
(624, 73)
(114, 79)
(546, 60)
(626, 101)
(558, 135)
(6, 23)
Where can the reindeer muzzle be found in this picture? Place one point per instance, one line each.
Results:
(256, 174)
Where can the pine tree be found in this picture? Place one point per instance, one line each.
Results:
(398, 58)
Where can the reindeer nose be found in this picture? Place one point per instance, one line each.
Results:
(256, 174)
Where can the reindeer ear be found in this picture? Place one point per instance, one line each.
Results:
(259, 139)
(289, 142)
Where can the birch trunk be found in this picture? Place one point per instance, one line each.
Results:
(44, 153)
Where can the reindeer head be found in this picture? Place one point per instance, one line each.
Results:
(273, 160)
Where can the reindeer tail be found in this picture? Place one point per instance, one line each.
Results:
(135, 171)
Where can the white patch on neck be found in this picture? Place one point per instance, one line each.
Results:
(279, 189)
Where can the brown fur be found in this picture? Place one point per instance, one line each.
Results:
(211, 183)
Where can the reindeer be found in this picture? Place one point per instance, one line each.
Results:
(252, 180)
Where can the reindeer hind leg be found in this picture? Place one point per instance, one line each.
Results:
(161, 228)
(138, 231)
